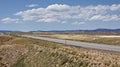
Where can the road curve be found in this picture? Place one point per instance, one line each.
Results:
(76, 43)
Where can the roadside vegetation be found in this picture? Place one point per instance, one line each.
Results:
(4, 39)
(110, 39)
(24, 52)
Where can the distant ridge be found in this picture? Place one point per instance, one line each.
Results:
(96, 30)
(3, 31)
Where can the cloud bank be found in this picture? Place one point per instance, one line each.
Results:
(62, 12)
(7, 20)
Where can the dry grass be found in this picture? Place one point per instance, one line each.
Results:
(39, 56)
(4, 39)
(39, 53)
(102, 39)
(9, 54)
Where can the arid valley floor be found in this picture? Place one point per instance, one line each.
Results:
(25, 52)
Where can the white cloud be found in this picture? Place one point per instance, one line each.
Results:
(78, 23)
(7, 20)
(63, 12)
(115, 7)
(32, 5)
(48, 20)
(58, 7)
(105, 17)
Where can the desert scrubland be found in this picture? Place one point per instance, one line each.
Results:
(24, 52)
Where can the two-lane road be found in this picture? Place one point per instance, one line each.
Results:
(76, 43)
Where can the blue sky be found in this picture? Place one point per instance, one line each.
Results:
(27, 15)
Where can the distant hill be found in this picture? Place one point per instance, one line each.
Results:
(3, 31)
(96, 30)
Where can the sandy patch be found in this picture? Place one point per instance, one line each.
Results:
(110, 36)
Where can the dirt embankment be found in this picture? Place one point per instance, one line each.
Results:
(9, 54)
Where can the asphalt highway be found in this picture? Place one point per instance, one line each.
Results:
(77, 43)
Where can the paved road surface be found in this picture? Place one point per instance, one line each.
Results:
(76, 43)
